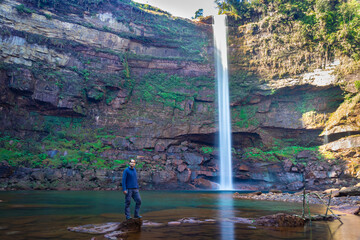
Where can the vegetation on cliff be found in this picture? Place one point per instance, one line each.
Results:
(66, 144)
(57, 104)
(172, 90)
(295, 36)
(155, 92)
(161, 29)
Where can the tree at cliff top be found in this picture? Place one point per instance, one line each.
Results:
(329, 27)
(89, 5)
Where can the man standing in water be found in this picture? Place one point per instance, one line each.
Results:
(131, 189)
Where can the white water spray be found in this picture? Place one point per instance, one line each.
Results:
(222, 77)
(326, 137)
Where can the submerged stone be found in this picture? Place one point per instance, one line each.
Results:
(115, 235)
(190, 221)
(174, 223)
(240, 220)
(280, 220)
(96, 228)
(113, 230)
(147, 223)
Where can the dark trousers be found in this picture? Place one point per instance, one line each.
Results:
(132, 193)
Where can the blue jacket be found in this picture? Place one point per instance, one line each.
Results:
(129, 179)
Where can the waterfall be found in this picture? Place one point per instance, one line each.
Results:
(326, 137)
(222, 77)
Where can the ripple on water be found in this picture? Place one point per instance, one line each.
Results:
(159, 207)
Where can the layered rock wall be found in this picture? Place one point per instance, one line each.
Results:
(85, 91)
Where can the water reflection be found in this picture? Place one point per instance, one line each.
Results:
(46, 215)
(226, 212)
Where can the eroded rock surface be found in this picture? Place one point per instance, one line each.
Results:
(148, 81)
(113, 230)
(280, 220)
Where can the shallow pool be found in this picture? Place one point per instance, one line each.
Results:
(47, 214)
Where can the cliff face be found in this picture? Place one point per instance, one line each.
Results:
(94, 66)
(82, 92)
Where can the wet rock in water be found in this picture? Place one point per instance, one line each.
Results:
(210, 220)
(321, 218)
(4, 227)
(147, 223)
(12, 233)
(96, 228)
(113, 230)
(238, 195)
(280, 220)
(115, 235)
(174, 223)
(190, 220)
(240, 220)
(131, 225)
(275, 191)
(254, 194)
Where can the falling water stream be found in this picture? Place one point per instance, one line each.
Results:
(222, 77)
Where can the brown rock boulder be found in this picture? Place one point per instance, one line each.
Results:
(22, 80)
(164, 177)
(294, 186)
(333, 191)
(357, 212)
(344, 143)
(38, 176)
(184, 176)
(114, 230)
(304, 154)
(46, 92)
(204, 184)
(131, 225)
(316, 175)
(5, 170)
(181, 167)
(350, 191)
(287, 165)
(206, 173)
(95, 228)
(275, 191)
(280, 220)
(253, 194)
(193, 159)
(244, 168)
(349, 209)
